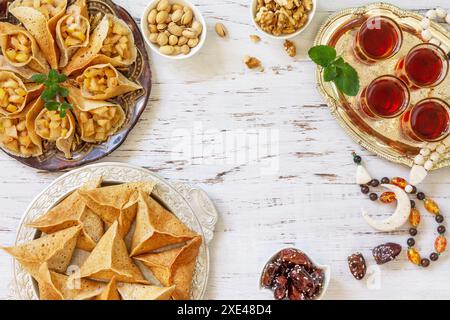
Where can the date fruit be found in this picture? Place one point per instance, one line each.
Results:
(357, 265)
(292, 275)
(386, 252)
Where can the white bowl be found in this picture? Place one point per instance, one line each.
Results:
(311, 15)
(155, 48)
(326, 270)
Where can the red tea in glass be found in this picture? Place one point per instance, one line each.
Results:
(385, 97)
(428, 120)
(425, 66)
(378, 38)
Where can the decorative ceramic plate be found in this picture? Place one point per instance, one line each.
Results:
(191, 205)
(133, 103)
(383, 137)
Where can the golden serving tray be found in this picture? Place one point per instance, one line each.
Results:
(382, 137)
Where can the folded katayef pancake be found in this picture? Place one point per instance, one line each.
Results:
(175, 267)
(17, 133)
(103, 81)
(57, 286)
(156, 227)
(24, 73)
(56, 249)
(133, 291)
(111, 42)
(97, 120)
(51, 127)
(109, 292)
(70, 212)
(40, 18)
(116, 203)
(110, 259)
(20, 49)
(72, 31)
(13, 94)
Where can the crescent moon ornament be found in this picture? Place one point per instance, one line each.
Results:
(398, 218)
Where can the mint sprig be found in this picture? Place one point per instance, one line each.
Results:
(54, 94)
(335, 69)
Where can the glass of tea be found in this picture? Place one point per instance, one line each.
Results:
(378, 38)
(385, 97)
(426, 65)
(428, 120)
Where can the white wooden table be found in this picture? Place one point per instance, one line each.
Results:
(200, 128)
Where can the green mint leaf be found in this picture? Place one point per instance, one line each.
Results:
(52, 105)
(63, 92)
(62, 78)
(39, 78)
(66, 106)
(53, 76)
(48, 94)
(330, 73)
(322, 55)
(347, 79)
(62, 113)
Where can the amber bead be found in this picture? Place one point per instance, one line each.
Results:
(399, 182)
(431, 206)
(414, 217)
(440, 244)
(387, 197)
(414, 256)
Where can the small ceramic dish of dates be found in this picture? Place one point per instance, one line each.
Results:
(291, 274)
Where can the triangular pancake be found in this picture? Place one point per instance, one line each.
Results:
(110, 292)
(110, 259)
(131, 291)
(156, 227)
(116, 202)
(175, 267)
(70, 212)
(56, 286)
(56, 249)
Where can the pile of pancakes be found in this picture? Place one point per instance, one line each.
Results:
(91, 241)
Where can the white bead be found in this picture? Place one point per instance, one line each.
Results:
(435, 156)
(447, 18)
(425, 152)
(409, 188)
(432, 145)
(419, 160)
(425, 23)
(428, 165)
(446, 141)
(445, 48)
(417, 175)
(431, 14)
(441, 148)
(426, 35)
(435, 41)
(362, 176)
(441, 13)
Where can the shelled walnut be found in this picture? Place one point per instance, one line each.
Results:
(252, 62)
(282, 17)
(173, 28)
(290, 48)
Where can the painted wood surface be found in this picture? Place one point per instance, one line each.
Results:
(266, 149)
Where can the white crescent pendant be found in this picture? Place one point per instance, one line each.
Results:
(400, 215)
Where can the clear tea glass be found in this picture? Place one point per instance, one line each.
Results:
(426, 65)
(428, 120)
(378, 38)
(386, 97)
